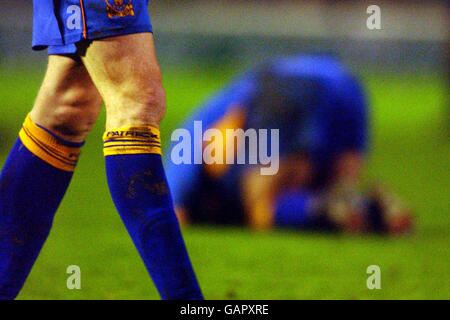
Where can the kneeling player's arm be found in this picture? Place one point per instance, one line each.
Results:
(257, 193)
(232, 120)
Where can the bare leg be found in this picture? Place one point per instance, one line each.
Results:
(68, 103)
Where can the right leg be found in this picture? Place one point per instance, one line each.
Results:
(39, 168)
(126, 72)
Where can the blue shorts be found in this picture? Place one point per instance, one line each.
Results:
(60, 24)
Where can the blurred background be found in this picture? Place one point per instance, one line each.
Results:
(201, 45)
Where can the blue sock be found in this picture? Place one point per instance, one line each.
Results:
(294, 210)
(31, 190)
(140, 192)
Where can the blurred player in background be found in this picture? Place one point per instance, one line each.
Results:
(98, 51)
(322, 115)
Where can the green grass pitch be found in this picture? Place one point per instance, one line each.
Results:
(409, 150)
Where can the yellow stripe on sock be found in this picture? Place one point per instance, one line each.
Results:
(48, 148)
(132, 140)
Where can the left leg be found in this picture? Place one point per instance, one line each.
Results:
(125, 71)
(39, 168)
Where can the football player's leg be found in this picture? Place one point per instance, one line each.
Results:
(126, 72)
(68, 102)
(38, 170)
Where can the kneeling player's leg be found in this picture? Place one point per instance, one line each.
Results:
(38, 170)
(127, 75)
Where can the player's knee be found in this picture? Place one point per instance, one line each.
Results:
(141, 105)
(149, 106)
(73, 123)
(73, 114)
